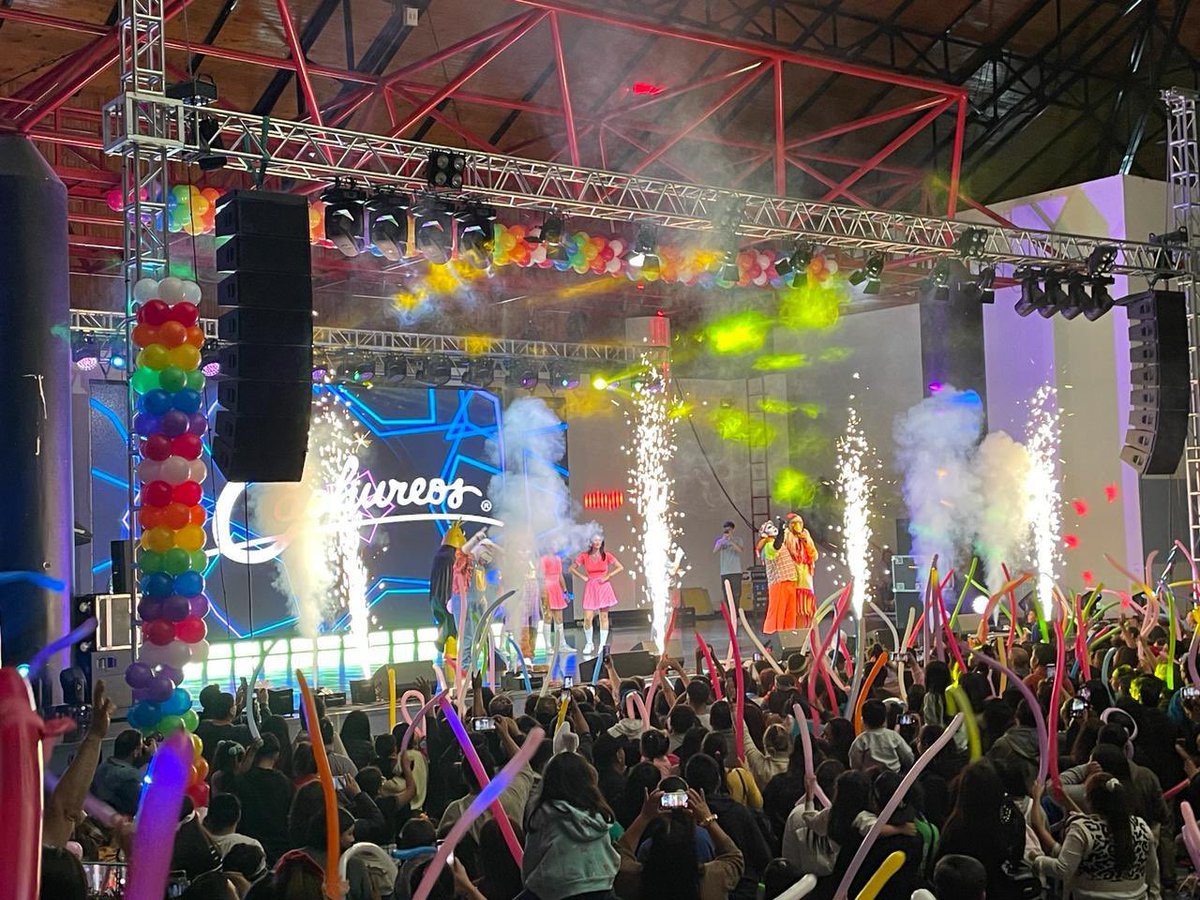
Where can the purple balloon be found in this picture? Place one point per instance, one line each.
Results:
(140, 694)
(197, 423)
(138, 675)
(174, 423)
(198, 606)
(149, 609)
(146, 424)
(160, 689)
(176, 675)
(175, 608)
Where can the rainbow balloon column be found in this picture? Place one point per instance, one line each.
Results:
(171, 559)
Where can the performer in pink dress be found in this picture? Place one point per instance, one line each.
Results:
(597, 566)
(554, 595)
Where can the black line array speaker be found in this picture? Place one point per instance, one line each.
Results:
(265, 392)
(1158, 357)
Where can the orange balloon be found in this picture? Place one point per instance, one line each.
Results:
(172, 333)
(176, 516)
(195, 336)
(199, 770)
(197, 515)
(150, 517)
(145, 335)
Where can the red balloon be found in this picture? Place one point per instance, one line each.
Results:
(199, 794)
(157, 493)
(157, 446)
(186, 314)
(191, 630)
(153, 312)
(159, 631)
(187, 445)
(187, 492)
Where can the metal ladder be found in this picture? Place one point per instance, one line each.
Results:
(760, 471)
(1183, 211)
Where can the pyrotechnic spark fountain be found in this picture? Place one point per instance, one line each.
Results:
(856, 490)
(338, 511)
(1045, 503)
(652, 488)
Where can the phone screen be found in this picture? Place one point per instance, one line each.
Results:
(1190, 693)
(674, 800)
(908, 719)
(483, 723)
(1051, 669)
(568, 682)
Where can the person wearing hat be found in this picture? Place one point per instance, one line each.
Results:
(789, 555)
(441, 584)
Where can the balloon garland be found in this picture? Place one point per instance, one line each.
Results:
(170, 558)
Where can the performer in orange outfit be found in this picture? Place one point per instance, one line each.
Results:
(790, 557)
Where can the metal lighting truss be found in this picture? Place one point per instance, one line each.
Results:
(1183, 211)
(317, 153)
(353, 340)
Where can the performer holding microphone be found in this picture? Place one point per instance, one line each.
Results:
(790, 556)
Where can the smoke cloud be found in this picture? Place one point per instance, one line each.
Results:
(1003, 466)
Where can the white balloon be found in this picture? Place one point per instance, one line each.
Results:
(197, 471)
(171, 289)
(191, 292)
(175, 654)
(831, 265)
(175, 470)
(199, 651)
(149, 470)
(145, 289)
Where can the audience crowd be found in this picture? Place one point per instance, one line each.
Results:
(608, 807)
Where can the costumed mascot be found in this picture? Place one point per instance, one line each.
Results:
(789, 555)
(442, 583)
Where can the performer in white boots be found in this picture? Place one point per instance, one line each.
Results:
(554, 597)
(596, 566)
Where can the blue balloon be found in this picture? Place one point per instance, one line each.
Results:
(145, 424)
(177, 704)
(144, 714)
(158, 584)
(187, 401)
(155, 402)
(188, 583)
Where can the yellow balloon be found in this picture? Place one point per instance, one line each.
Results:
(155, 356)
(197, 746)
(890, 867)
(190, 538)
(160, 540)
(185, 357)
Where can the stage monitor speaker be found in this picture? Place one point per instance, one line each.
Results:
(123, 575)
(1158, 357)
(362, 692)
(266, 365)
(905, 601)
(109, 666)
(758, 587)
(281, 701)
(635, 662)
(791, 641)
(407, 674)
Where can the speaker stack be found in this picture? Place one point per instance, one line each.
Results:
(261, 432)
(1159, 378)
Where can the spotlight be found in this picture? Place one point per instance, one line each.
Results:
(550, 233)
(435, 372)
(396, 370)
(344, 217)
(971, 244)
(476, 236)
(320, 372)
(1033, 297)
(480, 373)
(869, 275)
(979, 290)
(561, 377)
(209, 132)
(1102, 260)
(364, 371)
(645, 250)
(387, 224)
(729, 272)
(445, 169)
(434, 226)
(796, 261)
(526, 378)
(116, 352)
(941, 274)
(600, 383)
(85, 352)
(1077, 297)
(1056, 295)
(210, 362)
(1102, 300)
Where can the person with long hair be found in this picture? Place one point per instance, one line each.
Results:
(597, 567)
(986, 824)
(569, 852)
(1107, 854)
(738, 781)
(356, 738)
(668, 864)
(837, 737)
(933, 707)
(640, 780)
(772, 760)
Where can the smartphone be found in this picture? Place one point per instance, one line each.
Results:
(908, 719)
(568, 682)
(450, 858)
(1051, 669)
(339, 782)
(483, 723)
(1078, 707)
(1085, 693)
(674, 800)
(1189, 692)
(758, 657)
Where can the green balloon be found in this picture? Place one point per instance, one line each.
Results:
(176, 561)
(168, 725)
(195, 380)
(197, 560)
(190, 720)
(144, 380)
(172, 379)
(150, 561)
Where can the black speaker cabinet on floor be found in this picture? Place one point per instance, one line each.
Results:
(261, 432)
(1158, 357)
